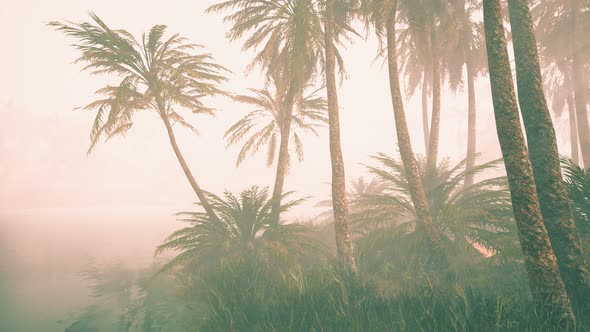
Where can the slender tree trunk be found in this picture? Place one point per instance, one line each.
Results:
(571, 108)
(546, 285)
(339, 201)
(471, 124)
(425, 110)
(416, 187)
(471, 111)
(283, 159)
(189, 175)
(553, 198)
(579, 82)
(431, 159)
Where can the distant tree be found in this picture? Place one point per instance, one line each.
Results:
(158, 74)
(264, 124)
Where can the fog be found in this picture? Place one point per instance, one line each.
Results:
(61, 209)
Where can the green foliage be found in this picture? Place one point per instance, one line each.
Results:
(156, 73)
(474, 222)
(243, 231)
(577, 181)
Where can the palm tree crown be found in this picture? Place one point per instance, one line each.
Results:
(157, 73)
(266, 121)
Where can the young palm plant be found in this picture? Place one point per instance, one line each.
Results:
(476, 221)
(157, 73)
(244, 231)
(264, 124)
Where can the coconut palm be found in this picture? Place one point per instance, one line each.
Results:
(468, 219)
(157, 73)
(546, 285)
(245, 229)
(381, 15)
(554, 202)
(263, 125)
(287, 38)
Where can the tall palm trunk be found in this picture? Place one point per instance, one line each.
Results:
(187, 172)
(553, 199)
(471, 111)
(432, 155)
(339, 201)
(579, 82)
(403, 137)
(546, 285)
(575, 145)
(283, 159)
(471, 124)
(425, 110)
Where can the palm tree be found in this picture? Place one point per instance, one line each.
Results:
(265, 123)
(468, 219)
(546, 285)
(471, 53)
(382, 16)
(430, 25)
(560, 27)
(245, 229)
(333, 29)
(158, 74)
(289, 35)
(553, 199)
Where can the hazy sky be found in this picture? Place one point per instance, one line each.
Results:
(43, 141)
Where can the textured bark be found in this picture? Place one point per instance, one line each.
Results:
(403, 139)
(283, 159)
(542, 143)
(339, 201)
(425, 111)
(575, 145)
(189, 175)
(579, 81)
(432, 155)
(547, 288)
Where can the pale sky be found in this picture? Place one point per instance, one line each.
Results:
(43, 141)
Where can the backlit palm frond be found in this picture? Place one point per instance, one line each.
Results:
(243, 229)
(158, 73)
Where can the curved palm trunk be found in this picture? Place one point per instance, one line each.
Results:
(553, 199)
(425, 111)
(546, 285)
(339, 201)
(432, 155)
(403, 138)
(283, 159)
(579, 81)
(571, 108)
(189, 175)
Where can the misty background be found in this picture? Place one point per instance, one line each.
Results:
(61, 208)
